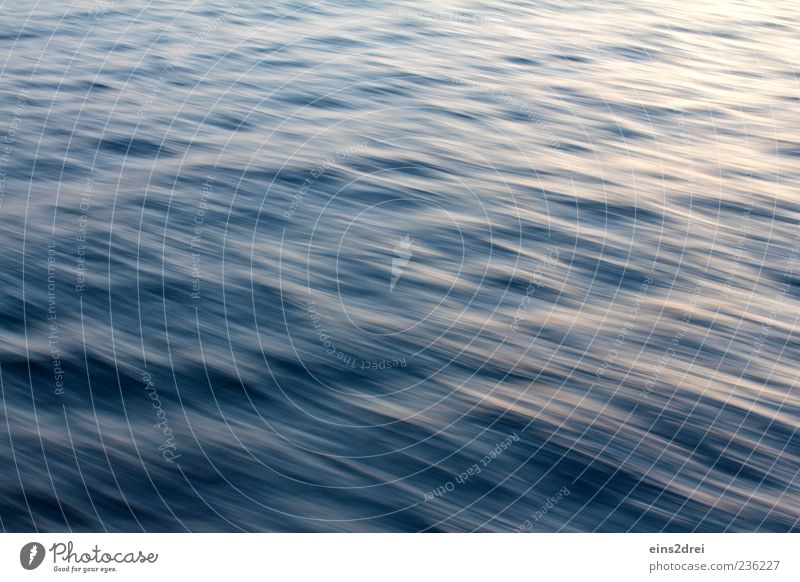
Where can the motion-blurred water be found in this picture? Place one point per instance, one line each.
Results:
(397, 266)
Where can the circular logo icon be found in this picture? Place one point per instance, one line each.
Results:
(31, 555)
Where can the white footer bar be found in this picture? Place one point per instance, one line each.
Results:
(406, 557)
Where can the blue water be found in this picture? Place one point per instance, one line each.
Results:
(384, 266)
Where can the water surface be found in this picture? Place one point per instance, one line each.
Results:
(378, 266)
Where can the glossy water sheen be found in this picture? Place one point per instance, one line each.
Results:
(601, 270)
